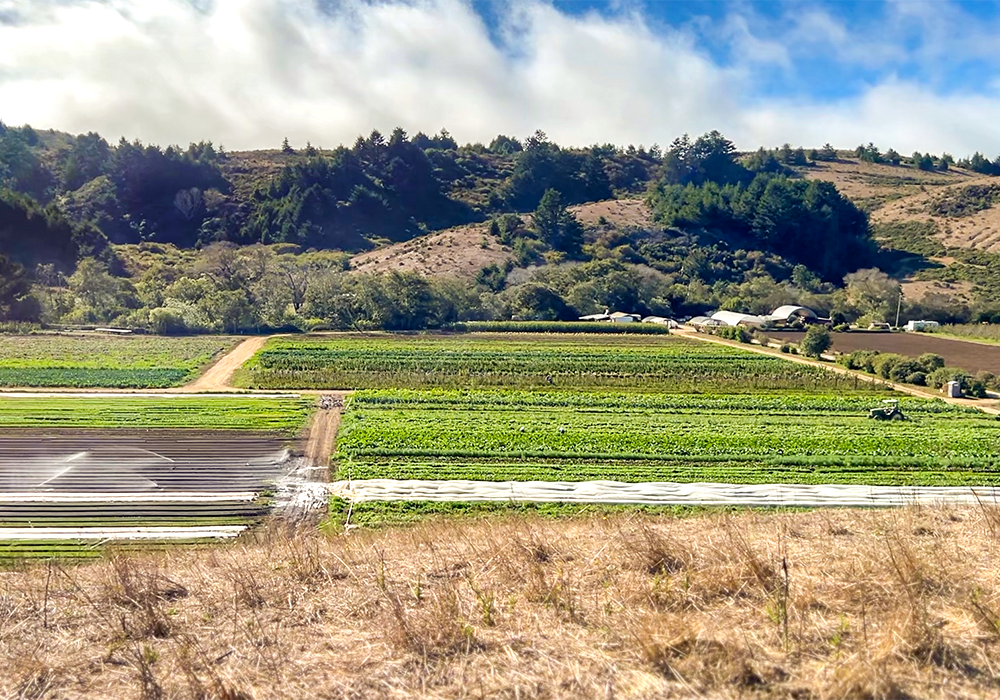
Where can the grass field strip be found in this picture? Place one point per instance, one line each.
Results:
(661, 493)
(156, 533)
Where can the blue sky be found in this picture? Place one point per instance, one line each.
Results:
(908, 74)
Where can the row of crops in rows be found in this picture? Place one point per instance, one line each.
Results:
(540, 361)
(283, 415)
(84, 361)
(791, 438)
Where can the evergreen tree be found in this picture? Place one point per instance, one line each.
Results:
(556, 225)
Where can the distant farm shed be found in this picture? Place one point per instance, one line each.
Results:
(705, 322)
(913, 326)
(731, 318)
(596, 317)
(788, 313)
(620, 317)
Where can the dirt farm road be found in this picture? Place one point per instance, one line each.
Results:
(219, 375)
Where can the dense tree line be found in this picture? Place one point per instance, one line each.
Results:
(706, 188)
(185, 240)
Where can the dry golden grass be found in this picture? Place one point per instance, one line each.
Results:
(455, 252)
(824, 605)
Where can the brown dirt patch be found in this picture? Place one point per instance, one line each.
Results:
(915, 290)
(620, 213)
(219, 375)
(972, 357)
(456, 252)
(831, 604)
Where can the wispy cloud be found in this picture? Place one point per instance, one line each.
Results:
(249, 72)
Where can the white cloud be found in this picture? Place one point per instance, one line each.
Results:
(246, 73)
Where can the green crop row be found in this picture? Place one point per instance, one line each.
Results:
(85, 377)
(284, 415)
(613, 402)
(572, 436)
(491, 360)
(101, 361)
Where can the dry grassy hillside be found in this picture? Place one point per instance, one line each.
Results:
(455, 252)
(464, 250)
(823, 605)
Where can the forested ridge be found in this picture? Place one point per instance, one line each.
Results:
(200, 239)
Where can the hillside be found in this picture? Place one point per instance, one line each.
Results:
(456, 252)
(203, 239)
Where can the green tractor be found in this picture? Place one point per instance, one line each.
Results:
(888, 411)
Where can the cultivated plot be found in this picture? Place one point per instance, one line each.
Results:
(78, 471)
(577, 436)
(532, 361)
(85, 361)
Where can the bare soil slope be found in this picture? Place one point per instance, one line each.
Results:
(456, 252)
(465, 250)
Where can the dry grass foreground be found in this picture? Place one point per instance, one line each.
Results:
(831, 604)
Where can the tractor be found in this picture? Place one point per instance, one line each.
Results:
(888, 411)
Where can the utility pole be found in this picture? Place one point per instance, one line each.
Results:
(899, 305)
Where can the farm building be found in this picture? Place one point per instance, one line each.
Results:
(700, 322)
(620, 317)
(913, 326)
(790, 313)
(661, 321)
(596, 317)
(731, 318)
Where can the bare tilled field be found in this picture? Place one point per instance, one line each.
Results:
(972, 357)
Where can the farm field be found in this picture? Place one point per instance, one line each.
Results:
(575, 436)
(189, 464)
(280, 415)
(60, 485)
(92, 361)
(972, 357)
(525, 361)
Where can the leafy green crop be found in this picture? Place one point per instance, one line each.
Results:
(572, 436)
(140, 413)
(97, 361)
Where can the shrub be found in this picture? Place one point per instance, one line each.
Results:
(817, 341)
(859, 359)
(884, 363)
(931, 361)
(733, 333)
(164, 321)
(917, 378)
(976, 388)
(903, 369)
(941, 376)
(987, 379)
(786, 348)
